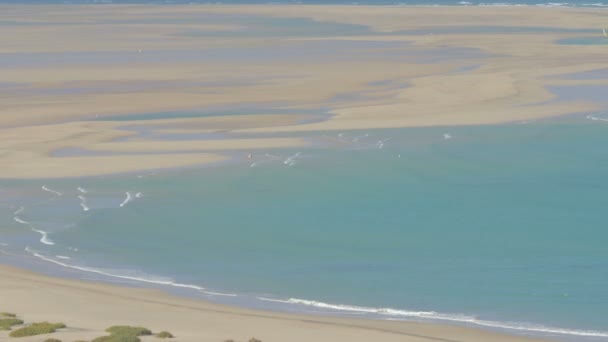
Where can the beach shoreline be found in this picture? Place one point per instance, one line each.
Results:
(88, 308)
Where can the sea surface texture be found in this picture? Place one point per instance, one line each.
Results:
(501, 227)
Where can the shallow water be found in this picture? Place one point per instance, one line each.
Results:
(495, 226)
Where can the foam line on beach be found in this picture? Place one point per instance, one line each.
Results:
(51, 190)
(81, 190)
(127, 199)
(21, 209)
(125, 277)
(83, 203)
(396, 314)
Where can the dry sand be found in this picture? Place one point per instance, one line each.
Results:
(88, 308)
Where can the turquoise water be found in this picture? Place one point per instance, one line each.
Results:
(502, 227)
(590, 40)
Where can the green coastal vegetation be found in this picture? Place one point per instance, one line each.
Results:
(124, 333)
(37, 329)
(8, 323)
(118, 333)
(164, 334)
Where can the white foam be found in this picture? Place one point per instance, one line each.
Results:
(447, 136)
(380, 143)
(271, 156)
(595, 118)
(51, 191)
(20, 220)
(253, 164)
(82, 190)
(138, 195)
(291, 160)
(127, 199)
(220, 294)
(45, 236)
(3, 244)
(356, 139)
(83, 203)
(126, 277)
(62, 257)
(403, 314)
(19, 210)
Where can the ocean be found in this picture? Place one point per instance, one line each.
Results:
(500, 227)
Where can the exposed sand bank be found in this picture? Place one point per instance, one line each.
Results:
(370, 67)
(88, 308)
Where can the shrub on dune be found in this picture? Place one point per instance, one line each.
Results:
(164, 334)
(128, 330)
(52, 340)
(7, 323)
(253, 339)
(7, 314)
(123, 333)
(117, 338)
(37, 329)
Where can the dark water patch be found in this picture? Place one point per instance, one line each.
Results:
(300, 51)
(590, 93)
(122, 87)
(243, 110)
(598, 74)
(466, 68)
(278, 27)
(481, 29)
(590, 40)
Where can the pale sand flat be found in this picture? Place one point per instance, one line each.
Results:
(509, 85)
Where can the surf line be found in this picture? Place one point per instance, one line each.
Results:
(127, 200)
(114, 275)
(82, 190)
(45, 235)
(51, 191)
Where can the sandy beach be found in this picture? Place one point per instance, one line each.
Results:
(88, 308)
